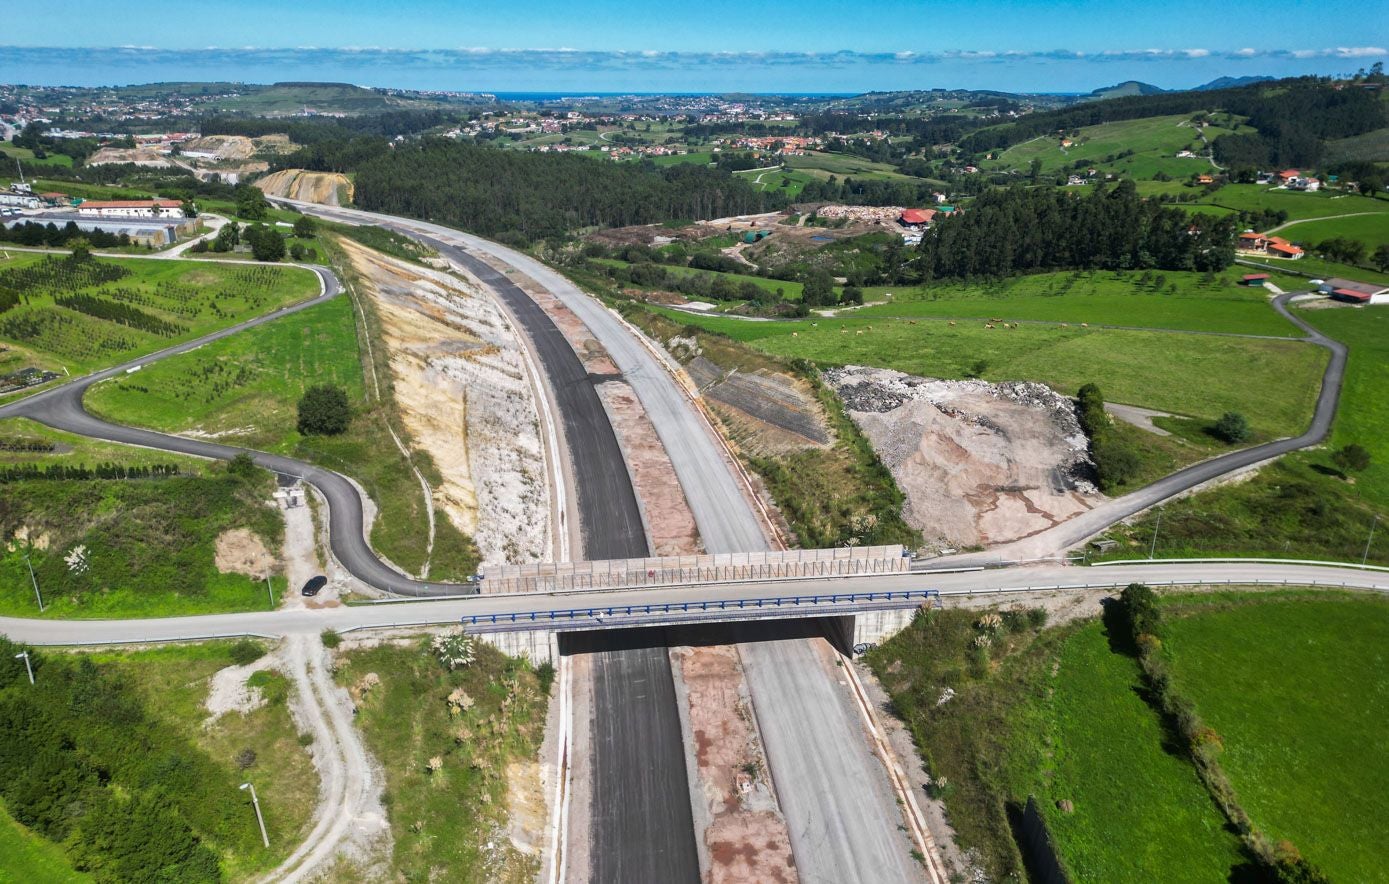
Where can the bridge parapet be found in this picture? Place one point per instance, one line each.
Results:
(684, 613)
(675, 570)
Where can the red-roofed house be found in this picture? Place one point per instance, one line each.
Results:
(1289, 174)
(916, 217)
(1274, 246)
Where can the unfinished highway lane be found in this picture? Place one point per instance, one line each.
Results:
(828, 844)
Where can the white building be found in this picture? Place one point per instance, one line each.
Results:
(131, 209)
(19, 199)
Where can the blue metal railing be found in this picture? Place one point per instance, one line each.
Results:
(571, 615)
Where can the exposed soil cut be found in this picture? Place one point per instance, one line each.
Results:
(324, 188)
(461, 385)
(747, 839)
(979, 463)
(241, 551)
(765, 412)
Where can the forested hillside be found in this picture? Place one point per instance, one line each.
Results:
(1020, 230)
(1293, 118)
(495, 192)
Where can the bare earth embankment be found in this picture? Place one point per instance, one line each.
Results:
(460, 383)
(324, 188)
(980, 463)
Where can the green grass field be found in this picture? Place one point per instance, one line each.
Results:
(448, 819)
(823, 165)
(1363, 417)
(17, 434)
(1298, 205)
(247, 387)
(165, 301)
(1140, 813)
(1154, 140)
(25, 858)
(26, 156)
(1370, 229)
(250, 381)
(1273, 383)
(1184, 301)
(1296, 687)
(148, 546)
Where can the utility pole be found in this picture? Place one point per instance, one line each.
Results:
(1373, 525)
(27, 666)
(264, 838)
(35, 581)
(1152, 550)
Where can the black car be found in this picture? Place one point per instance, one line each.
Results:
(313, 585)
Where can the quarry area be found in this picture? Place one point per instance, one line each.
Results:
(324, 188)
(980, 463)
(463, 393)
(228, 156)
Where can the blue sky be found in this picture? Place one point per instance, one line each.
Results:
(619, 45)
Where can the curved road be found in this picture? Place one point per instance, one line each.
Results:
(1076, 531)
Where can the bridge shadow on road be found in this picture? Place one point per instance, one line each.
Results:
(838, 631)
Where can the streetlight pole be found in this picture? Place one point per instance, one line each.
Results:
(27, 666)
(1373, 525)
(265, 839)
(34, 580)
(271, 594)
(1152, 550)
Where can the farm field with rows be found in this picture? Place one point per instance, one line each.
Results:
(77, 315)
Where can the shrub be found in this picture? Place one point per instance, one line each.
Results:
(1232, 427)
(1141, 611)
(1352, 457)
(331, 639)
(454, 649)
(246, 651)
(242, 466)
(323, 411)
(246, 759)
(545, 675)
(305, 227)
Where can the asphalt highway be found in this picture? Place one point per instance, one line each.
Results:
(809, 770)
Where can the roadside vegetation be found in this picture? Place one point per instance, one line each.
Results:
(829, 495)
(110, 771)
(1119, 755)
(457, 727)
(132, 541)
(246, 390)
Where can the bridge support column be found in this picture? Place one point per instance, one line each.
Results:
(537, 646)
(876, 627)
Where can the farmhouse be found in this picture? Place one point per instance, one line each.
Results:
(916, 217)
(131, 209)
(1352, 292)
(1273, 246)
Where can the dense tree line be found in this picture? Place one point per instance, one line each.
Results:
(1092, 113)
(533, 195)
(1018, 230)
(84, 765)
(121, 314)
(34, 234)
(1294, 122)
(82, 472)
(317, 131)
